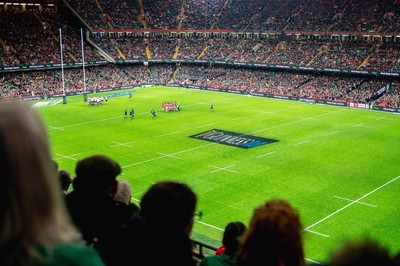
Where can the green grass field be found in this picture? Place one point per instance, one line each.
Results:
(338, 167)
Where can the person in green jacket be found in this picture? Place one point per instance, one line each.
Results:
(35, 228)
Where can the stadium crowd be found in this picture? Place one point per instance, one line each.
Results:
(252, 81)
(40, 45)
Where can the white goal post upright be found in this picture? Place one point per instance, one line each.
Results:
(62, 70)
(83, 66)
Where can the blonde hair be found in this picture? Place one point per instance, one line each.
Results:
(123, 193)
(32, 207)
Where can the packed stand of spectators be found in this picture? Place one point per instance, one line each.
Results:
(297, 53)
(385, 57)
(202, 14)
(315, 15)
(107, 44)
(317, 87)
(272, 15)
(191, 48)
(161, 74)
(340, 15)
(121, 14)
(315, 53)
(257, 15)
(162, 14)
(49, 82)
(369, 16)
(256, 81)
(391, 99)
(162, 47)
(27, 38)
(90, 12)
(247, 10)
(130, 48)
(31, 37)
(71, 37)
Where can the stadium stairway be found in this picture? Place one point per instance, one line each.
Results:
(202, 52)
(148, 54)
(174, 73)
(321, 51)
(364, 62)
(121, 54)
(182, 14)
(175, 55)
(143, 20)
(104, 17)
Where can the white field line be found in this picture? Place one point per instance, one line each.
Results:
(166, 134)
(167, 155)
(117, 144)
(301, 142)
(297, 121)
(272, 152)
(268, 113)
(160, 157)
(88, 122)
(320, 234)
(358, 125)
(363, 203)
(58, 128)
(238, 118)
(62, 156)
(351, 203)
(206, 125)
(223, 168)
(209, 225)
(313, 261)
(331, 133)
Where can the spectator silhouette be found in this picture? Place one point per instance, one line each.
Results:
(35, 228)
(273, 237)
(366, 252)
(65, 179)
(91, 202)
(396, 259)
(230, 244)
(165, 223)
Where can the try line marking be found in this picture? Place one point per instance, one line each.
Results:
(351, 203)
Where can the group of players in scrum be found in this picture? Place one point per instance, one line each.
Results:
(165, 106)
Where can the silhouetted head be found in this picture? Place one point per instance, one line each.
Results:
(96, 173)
(169, 204)
(232, 233)
(273, 236)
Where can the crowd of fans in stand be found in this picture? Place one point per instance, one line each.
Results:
(257, 15)
(313, 86)
(32, 37)
(39, 44)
